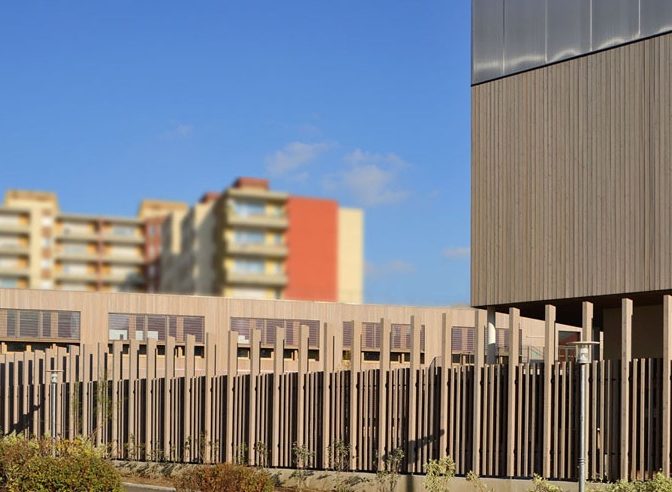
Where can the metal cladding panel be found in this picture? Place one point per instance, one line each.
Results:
(524, 34)
(487, 39)
(568, 29)
(655, 16)
(510, 36)
(614, 22)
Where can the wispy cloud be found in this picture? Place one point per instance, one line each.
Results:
(389, 268)
(457, 252)
(179, 131)
(371, 178)
(293, 157)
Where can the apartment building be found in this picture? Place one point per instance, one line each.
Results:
(253, 242)
(245, 242)
(571, 119)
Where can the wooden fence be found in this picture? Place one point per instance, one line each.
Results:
(147, 402)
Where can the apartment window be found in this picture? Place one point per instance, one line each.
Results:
(248, 266)
(277, 238)
(46, 284)
(9, 282)
(249, 208)
(47, 220)
(122, 230)
(76, 228)
(47, 263)
(73, 286)
(249, 237)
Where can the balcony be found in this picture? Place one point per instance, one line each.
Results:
(14, 228)
(77, 276)
(266, 279)
(264, 221)
(13, 271)
(77, 255)
(13, 248)
(76, 235)
(127, 278)
(110, 237)
(122, 258)
(266, 250)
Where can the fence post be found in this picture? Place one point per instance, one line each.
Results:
(278, 371)
(116, 375)
(188, 401)
(231, 374)
(168, 374)
(355, 367)
(413, 397)
(327, 361)
(667, 358)
(446, 364)
(626, 357)
(382, 389)
(301, 388)
(255, 340)
(150, 402)
(514, 355)
(549, 353)
(481, 330)
(491, 336)
(132, 377)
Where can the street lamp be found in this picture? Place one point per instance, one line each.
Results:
(53, 380)
(584, 357)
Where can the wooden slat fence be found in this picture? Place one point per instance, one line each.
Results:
(143, 403)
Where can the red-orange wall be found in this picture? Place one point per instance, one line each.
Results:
(312, 241)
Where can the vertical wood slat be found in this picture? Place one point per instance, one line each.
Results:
(412, 439)
(481, 327)
(549, 352)
(446, 364)
(666, 389)
(626, 357)
(355, 393)
(514, 350)
(382, 390)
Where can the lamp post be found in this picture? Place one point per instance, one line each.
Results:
(53, 382)
(583, 358)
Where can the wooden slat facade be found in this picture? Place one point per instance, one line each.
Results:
(571, 178)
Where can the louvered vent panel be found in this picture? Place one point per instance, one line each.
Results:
(348, 328)
(194, 325)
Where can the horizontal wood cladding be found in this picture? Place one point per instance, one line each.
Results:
(571, 178)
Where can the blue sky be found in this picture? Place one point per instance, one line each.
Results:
(363, 101)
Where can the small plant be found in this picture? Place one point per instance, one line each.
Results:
(223, 477)
(540, 484)
(339, 461)
(388, 477)
(477, 483)
(260, 454)
(240, 455)
(438, 474)
(302, 458)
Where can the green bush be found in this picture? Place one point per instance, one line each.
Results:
(539, 484)
(659, 483)
(224, 477)
(42, 465)
(438, 474)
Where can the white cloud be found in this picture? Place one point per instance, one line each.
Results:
(457, 252)
(371, 178)
(179, 131)
(293, 156)
(390, 268)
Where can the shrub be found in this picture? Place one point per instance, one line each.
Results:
(439, 472)
(539, 484)
(388, 476)
(659, 483)
(41, 464)
(224, 477)
(476, 482)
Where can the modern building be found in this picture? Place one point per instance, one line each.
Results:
(572, 160)
(253, 242)
(247, 241)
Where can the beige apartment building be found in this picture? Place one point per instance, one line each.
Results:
(255, 243)
(245, 242)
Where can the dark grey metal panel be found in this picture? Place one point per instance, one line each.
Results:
(614, 22)
(568, 29)
(487, 39)
(524, 34)
(655, 16)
